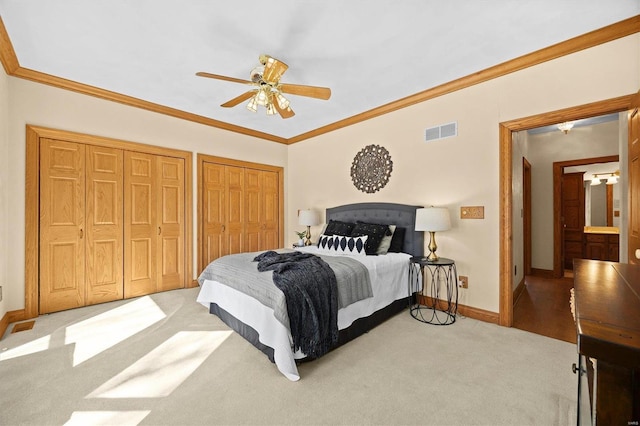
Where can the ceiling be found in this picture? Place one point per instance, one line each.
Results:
(370, 53)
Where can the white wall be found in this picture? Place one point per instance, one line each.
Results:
(37, 104)
(598, 140)
(4, 191)
(463, 170)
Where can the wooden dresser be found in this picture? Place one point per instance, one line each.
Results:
(607, 311)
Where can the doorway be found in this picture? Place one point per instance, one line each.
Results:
(561, 169)
(506, 130)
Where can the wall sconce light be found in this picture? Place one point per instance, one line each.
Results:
(566, 126)
(432, 219)
(308, 218)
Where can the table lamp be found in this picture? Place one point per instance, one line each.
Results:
(308, 218)
(432, 219)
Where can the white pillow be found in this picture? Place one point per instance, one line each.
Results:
(341, 244)
(383, 248)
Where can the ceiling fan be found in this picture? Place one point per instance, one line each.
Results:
(268, 90)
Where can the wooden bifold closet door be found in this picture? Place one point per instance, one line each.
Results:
(80, 225)
(111, 224)
(154, 218)
(240, 210)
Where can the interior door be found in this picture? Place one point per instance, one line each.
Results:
(213, 211)
(234, 210)
(526, 215)
(634, 182)
(62, 225)
(140, 229)
(572, 217)
(170, 216)
(270, 211)
(253, 210)
(261, 206)
(104, 234)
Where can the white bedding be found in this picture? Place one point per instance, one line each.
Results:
(389, 278)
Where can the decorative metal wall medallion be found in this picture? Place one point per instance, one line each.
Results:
(371, 168)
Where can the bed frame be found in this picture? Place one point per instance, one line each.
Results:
(401, 215)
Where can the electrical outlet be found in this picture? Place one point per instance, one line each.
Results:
(463, 282)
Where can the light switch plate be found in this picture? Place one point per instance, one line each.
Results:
(472, 212)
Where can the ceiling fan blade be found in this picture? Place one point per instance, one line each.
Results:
(273, 69)
(310, 91)
(284, 112)
(223, 77)
(235, 101)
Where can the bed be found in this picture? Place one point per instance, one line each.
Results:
(261, 324)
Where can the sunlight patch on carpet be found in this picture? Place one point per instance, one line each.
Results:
(120, 418)
(162, 370)
(101, 332)
(35, 346)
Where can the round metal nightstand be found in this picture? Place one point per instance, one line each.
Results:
(431, 308)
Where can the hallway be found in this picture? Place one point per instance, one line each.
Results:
(543, 308)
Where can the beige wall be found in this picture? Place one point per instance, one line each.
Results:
(4, 191)
(462, 170)
(450, 172)
(36, 104)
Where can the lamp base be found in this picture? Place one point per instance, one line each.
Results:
(432, 247)
(432, 257)
(308, 242)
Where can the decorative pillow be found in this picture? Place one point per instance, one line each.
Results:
(383, 248)
(336, 227)
(397, 240)
(374, 231)
(342, 244)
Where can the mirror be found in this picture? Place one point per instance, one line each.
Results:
(596, 204)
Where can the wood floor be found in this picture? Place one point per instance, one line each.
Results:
(543, 308)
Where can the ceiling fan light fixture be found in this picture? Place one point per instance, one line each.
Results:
(565, 127)
(262, 98)
(253, 104)
(257, 73)
(283, 102)
(267, 90)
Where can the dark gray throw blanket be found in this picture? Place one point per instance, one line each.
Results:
(311, 293)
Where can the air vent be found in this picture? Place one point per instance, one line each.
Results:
(441, 132)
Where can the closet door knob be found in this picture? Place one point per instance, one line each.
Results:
(159, 230)
(81, 233)
(223, 228)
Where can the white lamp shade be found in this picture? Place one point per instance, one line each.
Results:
(308, 218)
(433, 219)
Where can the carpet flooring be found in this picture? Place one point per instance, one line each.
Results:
(164, 360)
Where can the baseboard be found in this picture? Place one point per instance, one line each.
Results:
(466, 311)
(11, 317)
(4, 324)
(193, 284)
(518, 291)
(543, 273)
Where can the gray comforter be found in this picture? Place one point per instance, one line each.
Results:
(240, 272)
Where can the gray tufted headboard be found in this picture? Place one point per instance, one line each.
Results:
(387, 214)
